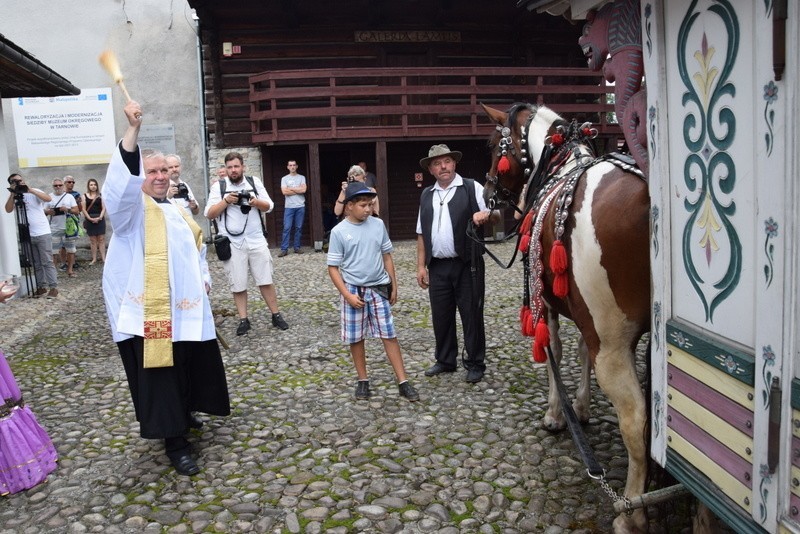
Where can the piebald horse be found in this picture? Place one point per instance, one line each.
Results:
(603, 280)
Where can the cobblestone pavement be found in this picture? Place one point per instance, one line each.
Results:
(298, 453)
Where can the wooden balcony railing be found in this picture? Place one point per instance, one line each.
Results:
(413, 103)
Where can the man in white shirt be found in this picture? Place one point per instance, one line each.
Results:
(179, 190)
(239, 217)
(34, 202)
(59, 206)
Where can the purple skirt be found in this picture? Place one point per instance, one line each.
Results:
(27, 454)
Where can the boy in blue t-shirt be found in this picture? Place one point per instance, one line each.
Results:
(361, 267)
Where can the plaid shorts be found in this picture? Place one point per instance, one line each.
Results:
(373, 320)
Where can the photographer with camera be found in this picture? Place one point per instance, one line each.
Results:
(179, 190)
(355, 174)
(64, 246)
(32, 202)
(238, 200)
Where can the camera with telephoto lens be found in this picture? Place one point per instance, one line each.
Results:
(243, 200)
(17, 187)
(183, 191)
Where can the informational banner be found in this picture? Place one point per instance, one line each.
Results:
(158, 136)
(65, 130)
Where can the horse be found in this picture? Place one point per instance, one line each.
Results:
(599, 228)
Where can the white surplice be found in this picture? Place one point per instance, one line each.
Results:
(123, 275)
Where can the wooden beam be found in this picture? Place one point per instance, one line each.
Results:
(314, 186)
(382, 173)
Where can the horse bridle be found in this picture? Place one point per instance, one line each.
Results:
(502, 196)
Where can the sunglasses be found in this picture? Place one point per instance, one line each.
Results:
(58, 185)
(69, 182)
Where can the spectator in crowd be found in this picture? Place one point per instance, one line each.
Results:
(61, 204)
(369, 177)
(34, 202)
(237, 201)
(355, 174)
(179, 190)
(361, 267)
(293, 187)
(94, 220)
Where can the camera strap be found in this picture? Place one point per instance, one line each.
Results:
(56, 205)
(223, 185)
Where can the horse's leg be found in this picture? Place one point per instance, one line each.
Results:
(584, 394)
(554, 417)
(616, 375)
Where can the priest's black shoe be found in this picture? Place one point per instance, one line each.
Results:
(279, 322)
(439, 368)
(185, 466)
(474, 376)
(194, 422)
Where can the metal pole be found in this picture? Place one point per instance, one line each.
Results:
(654, 497)
(203, 144)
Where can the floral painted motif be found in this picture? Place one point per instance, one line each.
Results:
(654, 214)
(770, 96)
(651, 124)
(648, 24)
(766, 480)
(709, 129)
(657, 325)
(657, 409)
(771, 229)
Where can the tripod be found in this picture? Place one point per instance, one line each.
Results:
(25, 246)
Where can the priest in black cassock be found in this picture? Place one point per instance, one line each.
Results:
(156, 284)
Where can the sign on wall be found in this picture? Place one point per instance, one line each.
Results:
(160, 137)
(65, 130)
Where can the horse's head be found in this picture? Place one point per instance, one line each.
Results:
(519, 138)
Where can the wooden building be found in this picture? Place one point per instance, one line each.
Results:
(334, 83)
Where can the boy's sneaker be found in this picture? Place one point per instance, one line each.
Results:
(408, 391)
(53, 293)
(362, 390)
(39, 292)
(278, 322)
(244, 326)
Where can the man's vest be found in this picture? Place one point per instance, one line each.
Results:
(461, 207)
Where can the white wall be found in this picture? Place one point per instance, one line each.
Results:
(9, 255)
(156, 44)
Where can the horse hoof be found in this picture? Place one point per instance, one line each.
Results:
(635, 524)
(551, 424)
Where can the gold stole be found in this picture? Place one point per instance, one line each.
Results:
(157, 297)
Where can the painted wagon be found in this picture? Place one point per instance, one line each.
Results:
(722, 143)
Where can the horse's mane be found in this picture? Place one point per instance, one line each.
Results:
(516, 109)
(547, 115)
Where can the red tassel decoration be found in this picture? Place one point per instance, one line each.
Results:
(541, 340)
(526, 321)
(527, 222)
(524, 243)
(558, 257)
(503, 166)
(557, 139)
(561, 285)
(558, 264)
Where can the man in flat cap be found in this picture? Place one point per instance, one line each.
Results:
(449, 264)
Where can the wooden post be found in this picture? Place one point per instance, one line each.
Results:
(382, 172)
(315, 190)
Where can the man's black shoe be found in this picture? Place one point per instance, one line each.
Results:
(407, 391)
(439, 368)
(194, 422)
(185, 466)
(362, 390)
(298, 251)
(473, 376)
(244, 326)
(278, 322)
(282, 253)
